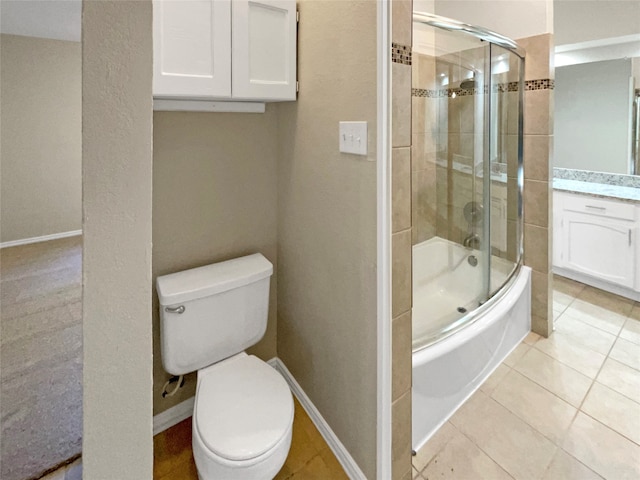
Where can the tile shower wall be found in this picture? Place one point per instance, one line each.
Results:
(538, 142)
(401, 237)
(424, 121)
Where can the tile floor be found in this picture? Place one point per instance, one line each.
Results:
(562, 408)
(41, 356)
(309, 456)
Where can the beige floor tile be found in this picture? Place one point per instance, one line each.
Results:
(436, 443)
(614, 410)
(415, 474)
(516, 354)
(631, 330)
(621, 378)
(565, 467)
(557, 313)
(596, 316)
(315, 469)
(602, 450)
(561, 300)
(564, 349)
(626, 352)
(460, 458)
(494, 379)
(589, 336)
(567, 286)
(517, 447)
(605, 300)
(541, 409)
(567, 383)
(531, 338)
(332, 464)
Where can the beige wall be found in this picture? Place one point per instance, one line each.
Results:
(327, 224)
(116, 151)
(214, 198)
(40, 105)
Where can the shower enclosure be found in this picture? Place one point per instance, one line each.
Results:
(467, 93)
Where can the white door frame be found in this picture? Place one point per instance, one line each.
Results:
(384, 458)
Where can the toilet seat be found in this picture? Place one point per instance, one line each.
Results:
(243, 410)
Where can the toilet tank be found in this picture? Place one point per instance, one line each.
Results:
(212, 312)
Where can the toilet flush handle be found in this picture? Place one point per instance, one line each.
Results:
(178, 310)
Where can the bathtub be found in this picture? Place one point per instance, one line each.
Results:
(447, 372)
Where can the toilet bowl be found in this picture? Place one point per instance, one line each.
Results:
(243, 412)
(242, 420)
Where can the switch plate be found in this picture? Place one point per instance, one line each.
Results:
(353, 137)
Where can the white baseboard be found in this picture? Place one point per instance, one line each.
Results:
(173, 415)
(184, 410)
(43, 238)
(350, 466)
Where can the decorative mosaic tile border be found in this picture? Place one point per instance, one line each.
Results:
(543, 84)
(422, 92)
(401, 54)
(597, 177)
(529, 85)
(509, 87)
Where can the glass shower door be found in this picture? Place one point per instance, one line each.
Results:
(451, 254)
(505, 163)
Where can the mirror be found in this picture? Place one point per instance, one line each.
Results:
(597, 84)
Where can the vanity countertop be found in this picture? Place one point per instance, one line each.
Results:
(598, 189)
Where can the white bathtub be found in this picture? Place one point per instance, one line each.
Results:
(447, 372)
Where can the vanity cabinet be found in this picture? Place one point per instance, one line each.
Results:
(224, 50)
(595, 240)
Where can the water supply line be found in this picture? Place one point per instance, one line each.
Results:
(177, 381)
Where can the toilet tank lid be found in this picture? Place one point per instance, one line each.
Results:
(211, 279)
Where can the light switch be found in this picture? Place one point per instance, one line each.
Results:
(353, 137)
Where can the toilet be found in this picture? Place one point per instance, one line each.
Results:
(243, 413)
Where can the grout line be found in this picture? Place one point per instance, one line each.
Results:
(479, 446)
(609, 427)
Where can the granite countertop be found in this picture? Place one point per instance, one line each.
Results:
(597, 189)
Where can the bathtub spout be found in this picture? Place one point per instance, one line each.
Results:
(472, 241)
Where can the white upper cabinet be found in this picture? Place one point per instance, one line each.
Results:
(192, 49)
(224, 50)
(264, 50)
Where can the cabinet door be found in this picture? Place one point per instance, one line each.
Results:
(264, 49)
(600, 247)
(192, 49)
(558, 233)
